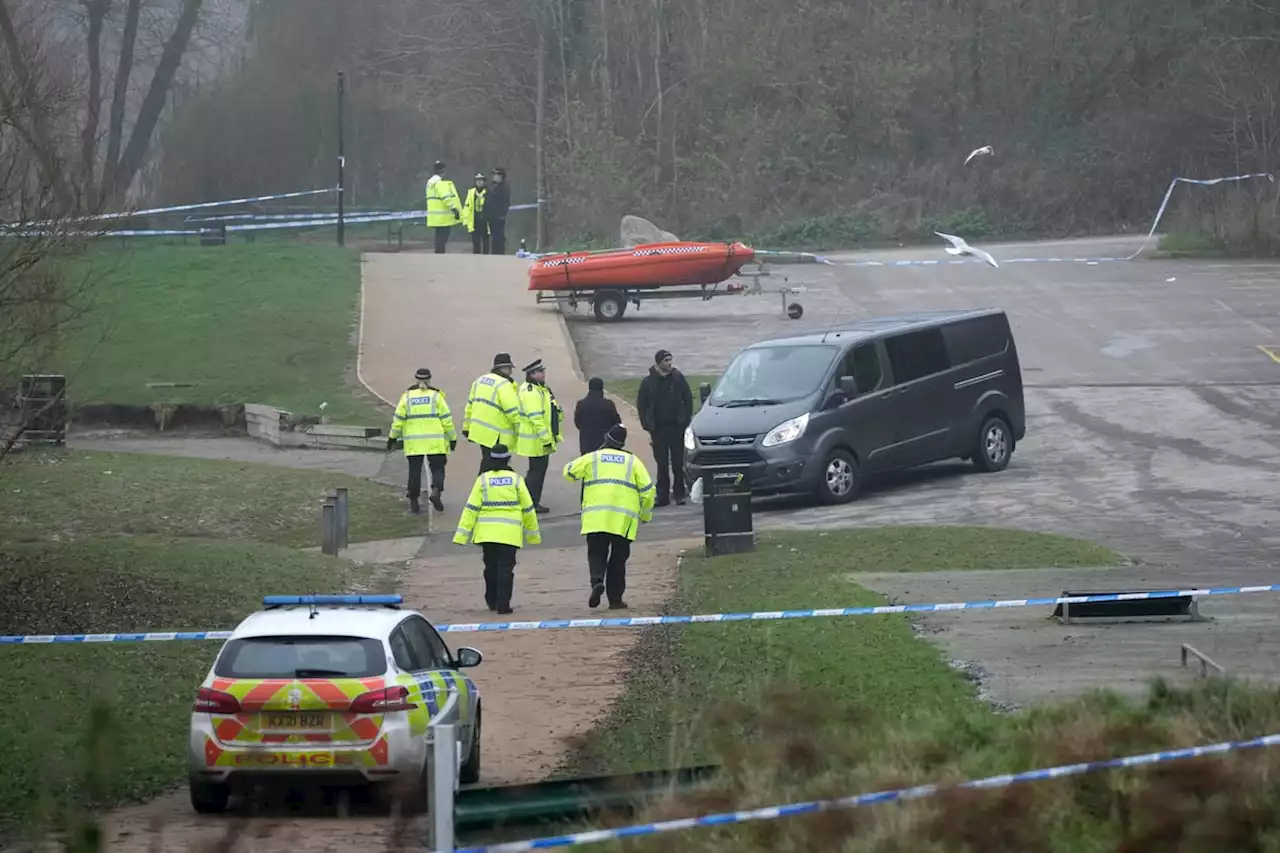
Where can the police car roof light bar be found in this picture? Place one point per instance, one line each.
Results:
(393, 601)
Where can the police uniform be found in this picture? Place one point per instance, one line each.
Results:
(443, 209)
(424, 424)
(493, 409)
(617, 497)
(540, 428)
(499, 517)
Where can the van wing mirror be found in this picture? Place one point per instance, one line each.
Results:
(704, 391)
(849, 387)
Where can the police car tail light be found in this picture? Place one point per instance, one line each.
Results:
(210, 701)
(384, 700)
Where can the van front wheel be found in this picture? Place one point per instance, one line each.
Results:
(838, 479)
(994, 445)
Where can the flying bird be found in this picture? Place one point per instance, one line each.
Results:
(960, 247)
(986, 149)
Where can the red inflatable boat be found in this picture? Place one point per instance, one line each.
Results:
(647, 265)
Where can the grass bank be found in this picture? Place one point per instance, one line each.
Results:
(136, 696)
(271, 323)
(875, 668)
(57, 495)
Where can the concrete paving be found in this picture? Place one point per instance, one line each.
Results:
(1153, 398)
(452, 314)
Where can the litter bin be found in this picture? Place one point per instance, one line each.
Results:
(726, 511)
(42, 405)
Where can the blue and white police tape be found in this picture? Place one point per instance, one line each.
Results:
(945, 262)
(891, 796)
(648, 621)
(199, 206)
(881, 610)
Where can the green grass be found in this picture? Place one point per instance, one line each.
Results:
(144, 689)
(667, 716)
(270, 323)
(65, 494)
(628, 388)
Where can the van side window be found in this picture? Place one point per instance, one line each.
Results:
(863, 364)
(917, 354)
(976, 338)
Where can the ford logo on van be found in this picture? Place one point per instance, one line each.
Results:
(725, 439)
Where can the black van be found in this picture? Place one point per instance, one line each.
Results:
(818, 412)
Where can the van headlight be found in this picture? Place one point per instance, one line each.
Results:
(689, 443)
(786, 431)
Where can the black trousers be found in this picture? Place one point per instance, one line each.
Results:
(480, 239)
(498, 235)
(607, 555)
(442, 237)
(668, 450)
(537, 477)
(435, 463)
(499, 574)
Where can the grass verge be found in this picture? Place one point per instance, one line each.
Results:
(271, 323)
(137, 696)
(684, 677)
(56, 495)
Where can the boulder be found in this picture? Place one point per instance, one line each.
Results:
(637, 230)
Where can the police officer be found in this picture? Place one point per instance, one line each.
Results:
(473, 217)
(618, 497)
(498, 517)
(493, 408)
(424, 424)
(540, 429)
(444, 210)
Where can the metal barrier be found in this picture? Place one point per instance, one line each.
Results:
(334, 522)
(1205, 662)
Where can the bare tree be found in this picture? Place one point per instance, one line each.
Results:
(42, 296)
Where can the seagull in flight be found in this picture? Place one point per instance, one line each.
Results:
(986, 149)
(960, 247)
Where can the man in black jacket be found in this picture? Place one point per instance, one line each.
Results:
(665, 404)
(593, 416)
(496, 204)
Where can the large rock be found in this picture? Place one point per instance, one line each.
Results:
(636, 230)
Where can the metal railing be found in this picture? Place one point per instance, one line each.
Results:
(334, 522)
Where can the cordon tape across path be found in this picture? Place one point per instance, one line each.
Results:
(646, 621)
(897, 795)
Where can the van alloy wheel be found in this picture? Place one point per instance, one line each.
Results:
(839, 481)
(994, 445)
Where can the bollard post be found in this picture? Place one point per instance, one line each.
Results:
(329, 527)
(442, 785)
(343, 517)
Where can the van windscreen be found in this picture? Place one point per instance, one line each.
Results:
(766, 376)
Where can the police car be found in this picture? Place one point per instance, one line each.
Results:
(334, 689)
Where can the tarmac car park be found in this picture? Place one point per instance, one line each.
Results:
(328, 690)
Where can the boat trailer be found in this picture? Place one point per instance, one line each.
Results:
(609, 304)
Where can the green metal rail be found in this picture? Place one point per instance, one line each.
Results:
(480, 809)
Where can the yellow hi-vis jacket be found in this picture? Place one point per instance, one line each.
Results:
(424, 421)
(473, 207)
(499, 509)
(443, 207)
(618, 492)
(492, 412)
(534, 428)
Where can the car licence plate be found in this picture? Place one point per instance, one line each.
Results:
(293, 721)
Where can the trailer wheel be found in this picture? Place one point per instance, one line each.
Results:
(795, 310)
(609, 307)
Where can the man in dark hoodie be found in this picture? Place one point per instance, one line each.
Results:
(593, 416)
(496, 205)
(665, 404)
